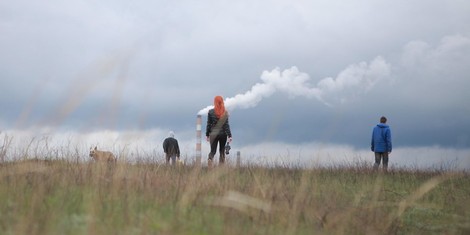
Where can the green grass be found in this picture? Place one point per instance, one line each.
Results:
(62, 197)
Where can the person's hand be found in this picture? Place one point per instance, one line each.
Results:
(207, 138)
(230, 139)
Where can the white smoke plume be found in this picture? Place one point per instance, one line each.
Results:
(355, 79)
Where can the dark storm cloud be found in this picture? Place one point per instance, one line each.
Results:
(121, 65)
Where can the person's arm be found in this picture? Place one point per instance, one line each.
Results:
(372, 142)
(165, 145)
(177, 149)
(389, 140)
(208, 128)
(208, 125)
(227, 130)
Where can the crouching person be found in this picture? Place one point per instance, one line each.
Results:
(171, 148)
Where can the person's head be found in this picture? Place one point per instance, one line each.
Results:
(219, 106)
(383, 119)
(171, 134)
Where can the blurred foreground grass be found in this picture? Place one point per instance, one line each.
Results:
(64, 197)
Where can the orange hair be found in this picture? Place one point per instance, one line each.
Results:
(219, 106)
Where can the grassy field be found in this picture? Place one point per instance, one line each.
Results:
(66, 197)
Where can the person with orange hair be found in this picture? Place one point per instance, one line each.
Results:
(218, 130)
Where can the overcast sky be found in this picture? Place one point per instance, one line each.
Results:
(295, 72)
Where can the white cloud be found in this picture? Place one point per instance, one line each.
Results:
(146, 145)
(452, 50)
(355, 79)
(440, 70)
(320, 154)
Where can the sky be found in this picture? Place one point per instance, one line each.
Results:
(303, 77)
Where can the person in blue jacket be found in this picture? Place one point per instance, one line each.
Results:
(381, 143)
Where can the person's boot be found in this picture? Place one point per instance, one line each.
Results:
(210, 158)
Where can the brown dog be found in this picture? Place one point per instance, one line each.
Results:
(102, 156)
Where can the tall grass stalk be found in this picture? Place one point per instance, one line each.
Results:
(75, 197)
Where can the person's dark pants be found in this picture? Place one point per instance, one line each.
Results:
(381, 157)
(219, 140)
(171, 157)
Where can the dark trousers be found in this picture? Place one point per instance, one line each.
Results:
(219, 140)
(381, 157)
(171, 157)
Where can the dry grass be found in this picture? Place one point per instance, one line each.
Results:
(65, 197)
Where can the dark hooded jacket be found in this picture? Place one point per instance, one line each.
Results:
(171, 147)
(216, 126)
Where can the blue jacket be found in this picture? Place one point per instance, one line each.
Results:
(381, 139)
